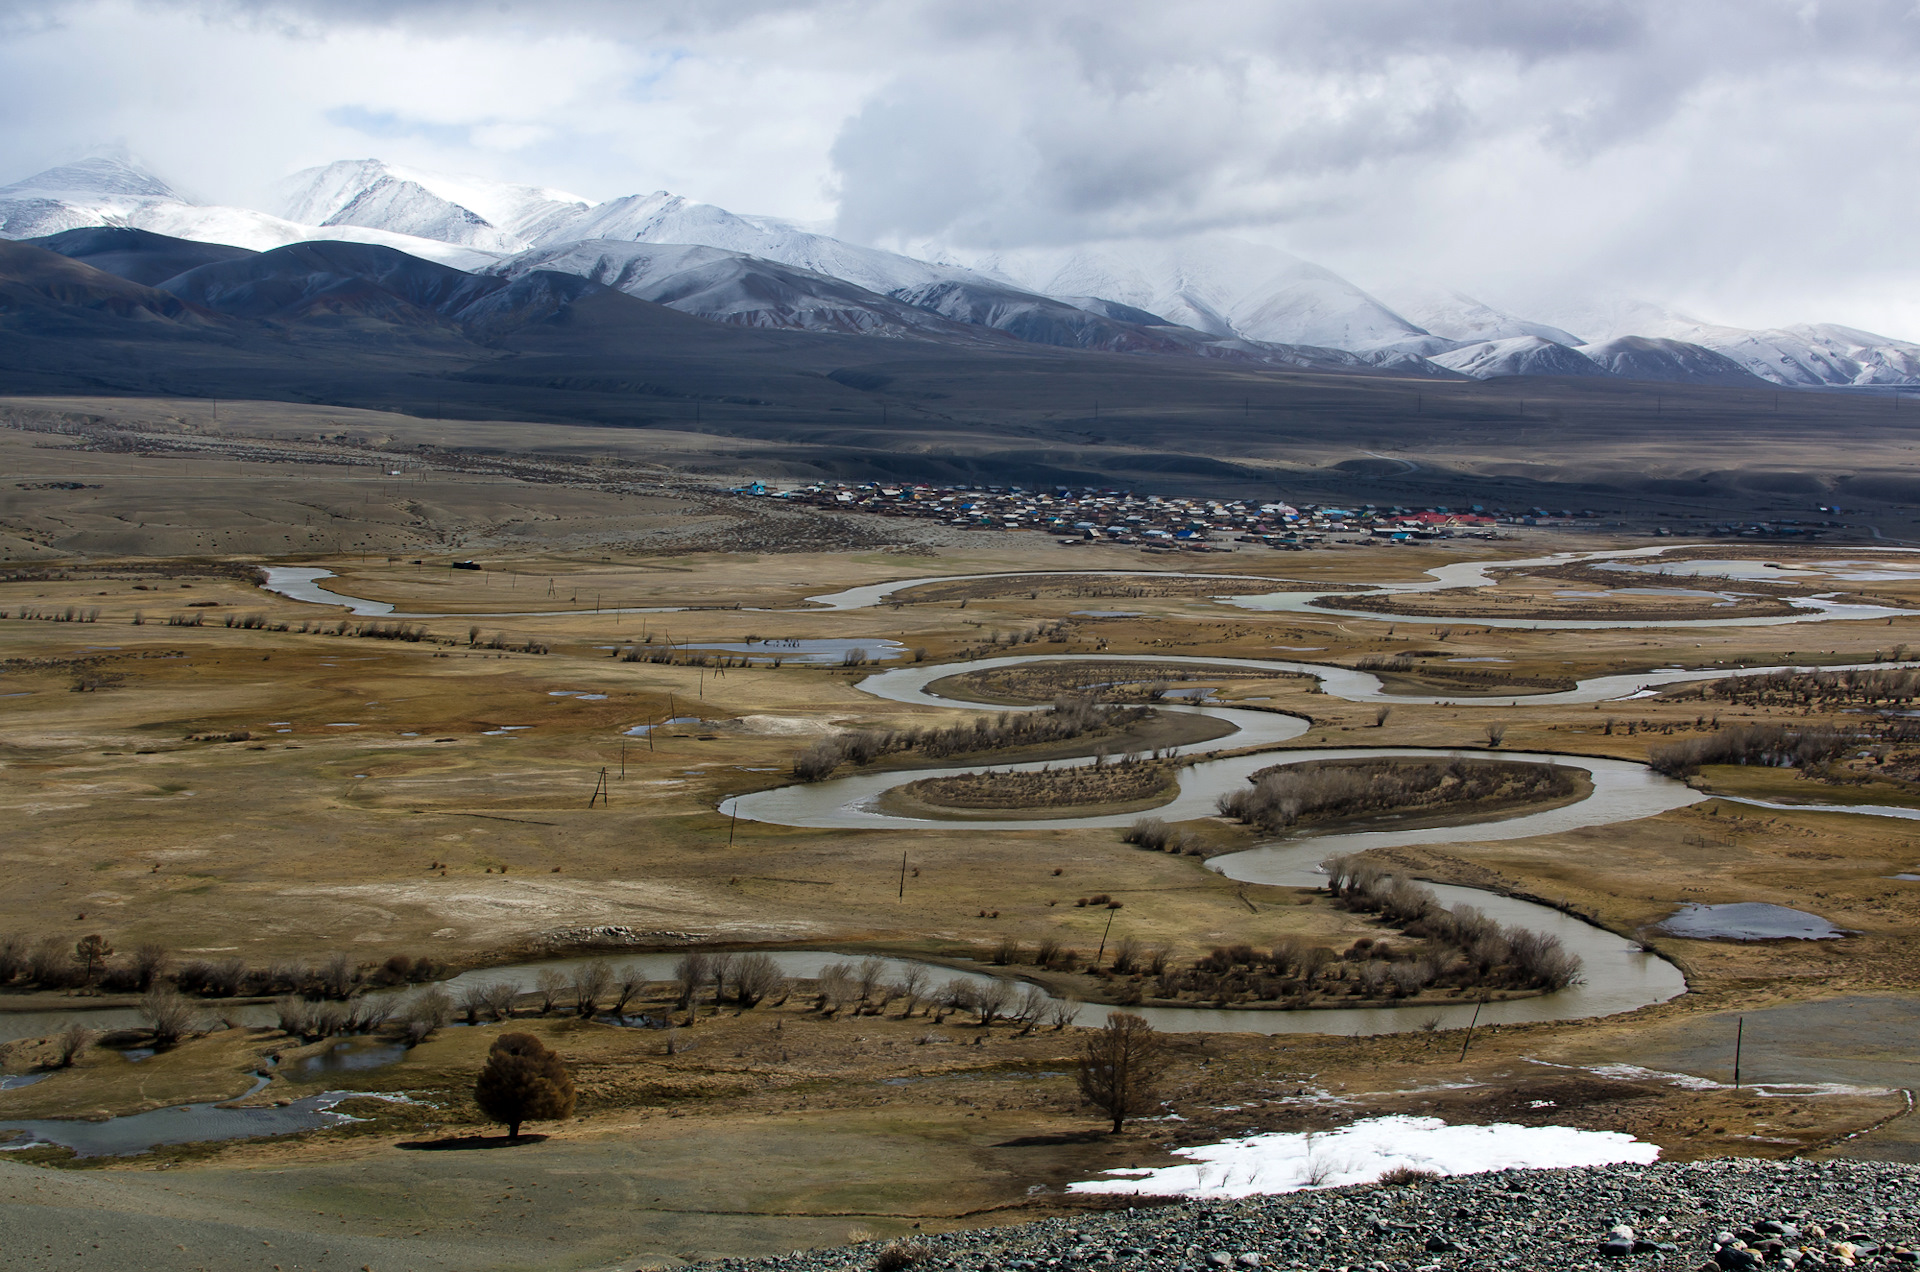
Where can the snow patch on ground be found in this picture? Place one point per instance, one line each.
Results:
(1366, 1150)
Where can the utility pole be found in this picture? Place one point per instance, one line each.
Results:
(903, 876)
(1470, 1024)
(1103, 937)
(731, 825)
(1739, 1038)
(601, 792)
(623, 759)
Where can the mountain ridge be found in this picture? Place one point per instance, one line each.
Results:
(1206, 295)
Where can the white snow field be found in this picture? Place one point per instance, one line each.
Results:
(1364, 1151)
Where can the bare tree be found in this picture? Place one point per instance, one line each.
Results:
(837, 985)
(958, 994)
(754, 977)
(1031, 1008)
(427, 1011)
(473, 1001)
(691, 972)
(628, 983)
(991, 1001)
(73, 1042)
(499, 999)
(1380, 716)
(868, 975)
(1496, 734)
(722, 976)
(1061, 1011)
(591, 981)
(912, 986)
(549, 983)
(337, 975)
(1121, 1066)
(167, 1014)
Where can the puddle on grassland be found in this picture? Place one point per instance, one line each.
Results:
(1748, 921)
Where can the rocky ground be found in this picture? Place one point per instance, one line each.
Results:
(1723, 1214)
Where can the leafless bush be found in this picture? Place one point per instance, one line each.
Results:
(1126, 954)
(691, 972)
(336, 976)
(755, 976)
(912, 986)
(838, 984)
(149, 964)
(1773, 745)
(47, 962)
(499, 997)
(473, 1001)
(895, 1256)
(1061, 1011)
(427, 1011)
(1496, 734)
(72, 1043)
(168, 1014)
(549, 983)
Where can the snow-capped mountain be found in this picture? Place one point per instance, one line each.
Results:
(1217, 284)
(371, 194)
(1453, 315)
(1208, 295)
(1518, 355)
(731, 287)
(115, 191)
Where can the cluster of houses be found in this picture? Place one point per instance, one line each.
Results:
(1151, 522)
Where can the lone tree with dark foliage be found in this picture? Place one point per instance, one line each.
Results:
(1121, 1066)
(523, 1082)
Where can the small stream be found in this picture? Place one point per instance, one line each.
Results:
(182, 1124)
(304, 583)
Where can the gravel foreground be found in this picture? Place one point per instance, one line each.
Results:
(1719, 1215)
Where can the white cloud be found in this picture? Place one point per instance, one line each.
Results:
(1750, 160)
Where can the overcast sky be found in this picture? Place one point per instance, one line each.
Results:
(1749, 161)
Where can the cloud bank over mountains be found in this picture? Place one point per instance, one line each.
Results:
(1752, 161)
(1202, 295)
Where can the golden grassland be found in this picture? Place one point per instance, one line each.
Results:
(432, 798)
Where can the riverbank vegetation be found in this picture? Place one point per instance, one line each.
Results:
(1287, 795)
(1068, 718)
(1122, 781)
(1101, 681)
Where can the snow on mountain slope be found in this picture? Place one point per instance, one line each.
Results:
(1674, 361)
(497, 216)
(1519, 355)
(733, 287)
(116, 192)
(1813, 355)
(1214, 283)
(1456, 316)
(668, 218)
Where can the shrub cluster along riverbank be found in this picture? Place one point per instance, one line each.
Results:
(1118, 680)
(1122, 781)
(1068, 718)
(1286, 795)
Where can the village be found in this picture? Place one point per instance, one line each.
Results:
(1155, 522)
